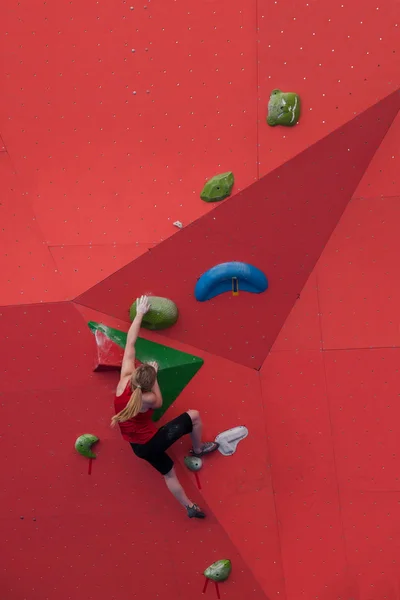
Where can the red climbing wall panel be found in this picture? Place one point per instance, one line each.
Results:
(112, 115)
(83, 266)
(40, 343)
(358, 277)
(303, 470)
(331, 421)
(120, 517)
(382, 177)
(331, 417)
(28, 271)
(120, 111)
(280, 224)
(363, 391)
(363, 388)
(340, 57)
(302, 328)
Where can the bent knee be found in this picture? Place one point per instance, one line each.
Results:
(170, 474)
(194, 415)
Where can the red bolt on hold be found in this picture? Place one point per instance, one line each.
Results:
(83, 445)
(216, 587)
(197, 480)
(194, 464)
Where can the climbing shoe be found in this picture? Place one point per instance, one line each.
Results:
(195, 511)
(207, 448)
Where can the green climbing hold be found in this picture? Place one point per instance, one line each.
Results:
(163, 313)
(218, 188)
(219, 571)
(283, 108)
(84, 444)
(175, 368)
(193, 463)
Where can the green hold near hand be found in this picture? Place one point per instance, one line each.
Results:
(218, 188)
(193, 463)
(163, 313)
(84, 443)
(283, 108)
(219, 571)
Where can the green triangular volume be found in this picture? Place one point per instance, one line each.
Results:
(176, 368)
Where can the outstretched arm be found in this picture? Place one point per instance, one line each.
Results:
(128, 361)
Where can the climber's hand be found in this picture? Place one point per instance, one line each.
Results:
(142, 305)
(154, 365)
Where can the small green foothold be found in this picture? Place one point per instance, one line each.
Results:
(218, 187)
(84, 443)
(283, 108)
(193, 463)
(163, 313)
(219, 571)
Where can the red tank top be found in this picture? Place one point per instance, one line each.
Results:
(141, 428)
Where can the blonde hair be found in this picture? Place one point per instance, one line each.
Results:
(142, 381)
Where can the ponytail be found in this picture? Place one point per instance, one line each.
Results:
(133, 407)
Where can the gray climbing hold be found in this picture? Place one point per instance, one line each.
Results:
(219, 571)
(193, 463)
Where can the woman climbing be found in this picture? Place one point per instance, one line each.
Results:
(137, 396)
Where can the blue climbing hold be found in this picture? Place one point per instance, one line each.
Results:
(230, 276)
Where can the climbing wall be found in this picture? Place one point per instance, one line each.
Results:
(29, 273)
(330, 387)
(117, 113)
(340, 58)
(112, 116)
(281, 224)
(78, 529)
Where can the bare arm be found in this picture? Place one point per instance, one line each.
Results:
(154, 399)
(157, 393)
(128, 361)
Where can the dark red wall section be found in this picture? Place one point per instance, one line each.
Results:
(280, 224)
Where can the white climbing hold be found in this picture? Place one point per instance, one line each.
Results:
(228, 440)
(178, 224)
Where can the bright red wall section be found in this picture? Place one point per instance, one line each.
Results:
(112, 116)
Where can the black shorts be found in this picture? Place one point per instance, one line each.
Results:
(154, 451)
